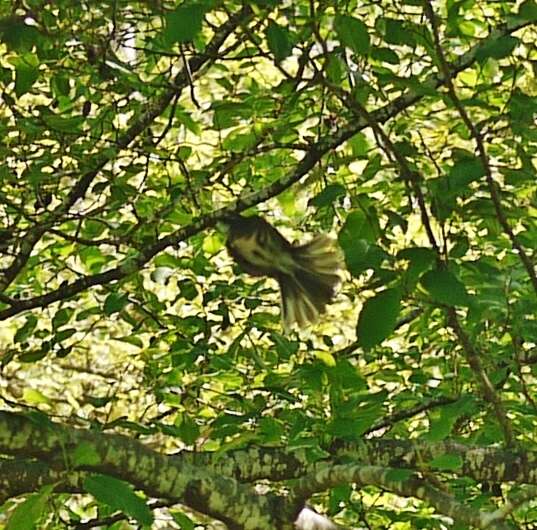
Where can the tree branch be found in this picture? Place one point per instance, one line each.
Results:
(480, 144)
(158, 475)
(474, 360)
(317, 150)
(411, 485)
(138, 125)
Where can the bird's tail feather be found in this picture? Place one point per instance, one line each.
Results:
(312, 284)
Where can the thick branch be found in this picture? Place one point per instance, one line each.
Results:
(21, 476)
(479, 463)
(198, 479)
(158, 475)
(410, 486)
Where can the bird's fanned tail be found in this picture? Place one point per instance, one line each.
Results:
(308, 274)
(312, 284)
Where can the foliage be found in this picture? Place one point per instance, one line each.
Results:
(131, 129)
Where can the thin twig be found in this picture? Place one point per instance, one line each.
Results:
(474, 360)
(476, 135)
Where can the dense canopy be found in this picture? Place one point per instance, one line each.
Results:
(146, 381)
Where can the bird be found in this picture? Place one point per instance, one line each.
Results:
(307, 274)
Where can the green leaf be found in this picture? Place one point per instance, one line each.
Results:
(445, 288)
(133, 340)
(528, 10)
(362, 256)
(522, 109)
(85, 454)
(61, 317)
(67, 124)
(497, 48)
(119, 495)
(213, 243)
(440, 427)
(183, 24)
(60, 84)
(399, 475)
(34, 397)
(17, 35)
(115, 302)
(64, 334)
(93, 258)
(24, 332)
(187, 429)
(352, 33)
(335, 68)
(93, 229)
(27, 514)
(346, 375)
(444, 200)
(359, 145)
(33, 355)
(182, 520)
(279, 41)
(192, 125)
(270, 430)
(372, 168)
(229, 113)
(239, 142)
(460, 248)
(285, 347)
(397, 32)
(378, 318)
(442, 422)
(95, 310)
(27, 72)
(464, 172)
(328, 196)
(168, 260)
(40, 419)
(353, 427)
(385, 55)
(420, 259)
(187, 289)
(356, 238)
(357, 226)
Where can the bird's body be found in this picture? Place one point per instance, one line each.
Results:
(307, 274)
